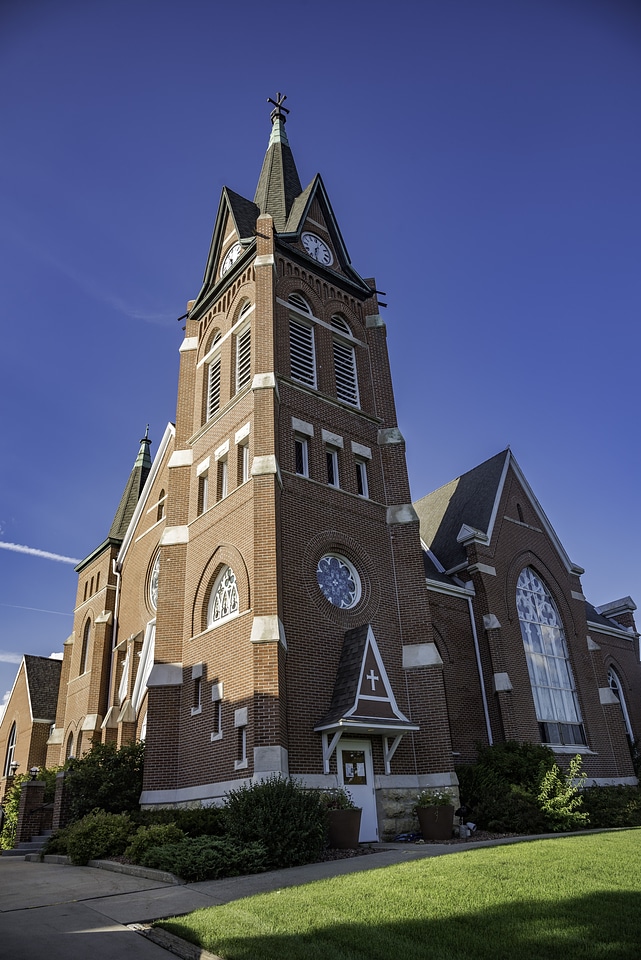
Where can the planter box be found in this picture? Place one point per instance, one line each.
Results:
(344, 828)
(436, 823)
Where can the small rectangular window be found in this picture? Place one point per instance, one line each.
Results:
(243, 463)
(203, 493)
(217, 718)
(332, 466)
(222, 477)
(301, 456)
(197, 705)
(242, 745)
(243, 358)
(361, 478)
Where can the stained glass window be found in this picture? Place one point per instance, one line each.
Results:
(224, 598)
(339, 581)
(555, 700)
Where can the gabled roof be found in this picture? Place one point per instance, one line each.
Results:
(43, 680)
(167, 438)
(363, 696)
(472, 501)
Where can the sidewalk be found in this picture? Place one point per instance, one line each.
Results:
(52, 911)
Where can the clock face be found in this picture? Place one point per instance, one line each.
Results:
(231, 257)
(317, 249)
(338, 580)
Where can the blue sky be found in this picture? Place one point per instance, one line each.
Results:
(483, 162)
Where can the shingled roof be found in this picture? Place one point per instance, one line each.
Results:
(43, 680)
(132, 491)
(469, 499)
(279, 183)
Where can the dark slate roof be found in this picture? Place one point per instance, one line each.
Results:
(349, 668)
(132, 492)
(433, 573)
(244, 212)
(279, 183)
(298, 208)
(593, 615)
(468, 499)
(43, 680)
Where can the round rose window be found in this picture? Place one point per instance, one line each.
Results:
(339, 581)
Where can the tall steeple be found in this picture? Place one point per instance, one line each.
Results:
(279, 183)
(132, 491)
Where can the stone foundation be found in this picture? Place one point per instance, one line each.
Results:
(395, 808)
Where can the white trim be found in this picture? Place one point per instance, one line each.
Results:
(482, 568)
(189, 343)
(166, 675)
(301, 426)
(501, 683)
(265, 260)
(374, 320)
(421, 655)
(240, 717)
(267, 630)
(469, 534)
(181, 458)
(622, 632)
(333, 439)
(202, 467)
(217, 692)
(359, 450)
(265, 465)
(221, 451)
(436, 586)
(491, 622)
(607, 695)
(174, 535)
(241, 434)
(264, 381)
(576, 595)
(401, 513)
(389, 435)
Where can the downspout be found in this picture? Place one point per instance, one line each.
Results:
(477, 651)
(114, 637)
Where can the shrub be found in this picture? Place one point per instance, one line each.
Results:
(157, 835)
(106, 777)
(560, 798)
(288, 820)
(207, 858)
(613, 806)
(98, 835)
(11, 803)
(201, 821)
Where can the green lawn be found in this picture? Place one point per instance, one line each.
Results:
(563, 899)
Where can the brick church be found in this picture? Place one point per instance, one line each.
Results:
(268, 600)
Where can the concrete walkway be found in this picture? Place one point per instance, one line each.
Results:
(51, 911)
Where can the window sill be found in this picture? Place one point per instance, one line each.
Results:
(240, 764)
(569, 748)
(216, 736)
(196, 710)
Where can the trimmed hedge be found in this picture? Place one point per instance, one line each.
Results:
(207, 858)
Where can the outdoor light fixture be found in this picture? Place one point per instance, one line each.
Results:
(34, 772)
(13, 766)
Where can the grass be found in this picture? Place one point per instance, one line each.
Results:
(575, 898)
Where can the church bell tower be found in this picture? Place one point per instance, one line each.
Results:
(293, 630)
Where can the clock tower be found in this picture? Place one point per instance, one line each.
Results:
(293, 629)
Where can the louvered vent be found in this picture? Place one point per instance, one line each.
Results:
(345, 372)
(243, 358)
(299, 301)
(301, 349)
(213, 388)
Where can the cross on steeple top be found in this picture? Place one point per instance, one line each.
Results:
(279, 112)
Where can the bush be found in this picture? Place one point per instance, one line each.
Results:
(11, 803)
(288, 820)
(502, 790)
(157, 835)
(98, 835)
(106, 777)
(560, 798)
(207, 858)
(201, 821)
(613, 806)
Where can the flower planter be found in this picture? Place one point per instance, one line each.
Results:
(344, 828)
(436, 822)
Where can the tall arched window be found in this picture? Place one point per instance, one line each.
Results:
(69, 750)
(555, 699)
(617, 689)
(223, 603)
(11, 750)
(84, 653)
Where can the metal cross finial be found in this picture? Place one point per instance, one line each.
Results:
(279, 110)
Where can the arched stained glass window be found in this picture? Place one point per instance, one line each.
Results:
(617, 689)
(555, 700)
(84, 652)
(224, 598)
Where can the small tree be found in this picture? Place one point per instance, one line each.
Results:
(106, 777)
(560, 797)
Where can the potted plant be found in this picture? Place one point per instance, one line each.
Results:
(343, 818)
(435, 812)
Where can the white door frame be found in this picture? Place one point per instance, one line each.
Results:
(363, 795)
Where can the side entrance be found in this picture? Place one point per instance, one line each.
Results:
(356, 774)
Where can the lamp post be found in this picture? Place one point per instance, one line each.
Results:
(34, 772)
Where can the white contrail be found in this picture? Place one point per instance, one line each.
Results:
(19, 548)
(10, 657)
